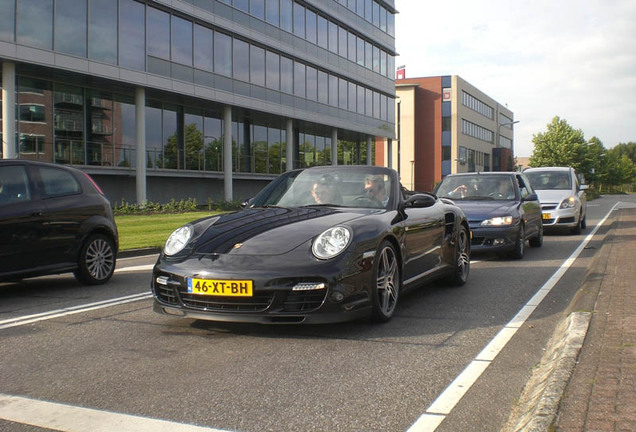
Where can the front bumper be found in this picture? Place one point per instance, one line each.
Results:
(493, 239)
(345, 296)
(555, 217)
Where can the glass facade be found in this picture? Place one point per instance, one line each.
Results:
(90, 121)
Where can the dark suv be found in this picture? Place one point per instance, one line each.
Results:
(54, 219)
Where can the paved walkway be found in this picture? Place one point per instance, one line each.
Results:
(601, 393)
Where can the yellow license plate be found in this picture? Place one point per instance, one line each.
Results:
(547, 216)
(216, 287)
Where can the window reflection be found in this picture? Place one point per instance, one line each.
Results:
(70, 27)
(222, 54)
(181, 41)
(203, 48)
(158, 33)
(35, 23)
(102, 30)
(68, 123)
(7, 20)
(132, 45)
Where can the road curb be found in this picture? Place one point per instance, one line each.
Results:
(538, 404)
(542, 394)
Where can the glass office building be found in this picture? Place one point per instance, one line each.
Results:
(205, 99)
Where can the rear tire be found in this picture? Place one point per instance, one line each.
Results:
(385, 283)
(97, 258)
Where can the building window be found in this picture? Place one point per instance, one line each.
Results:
(241, 60)
(272, 76)
(7, 20)
(132, 30)
(203, 48)
(70, 27)
(181, 41)
(158, 28)
(35, 23)
(222, 54)
(476, 105)
(102, 30)
(257, 65)
(272, 12)
(32, 113)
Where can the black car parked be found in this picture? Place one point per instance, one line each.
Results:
(54, 219)
(502, 209)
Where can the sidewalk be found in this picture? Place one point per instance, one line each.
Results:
(601, 393)
(586, 381)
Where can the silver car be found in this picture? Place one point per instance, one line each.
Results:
(562, 197)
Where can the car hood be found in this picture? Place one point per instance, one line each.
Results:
(266, 231)
(480, 210)
(552, 196)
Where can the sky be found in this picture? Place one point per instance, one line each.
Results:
(575, 59)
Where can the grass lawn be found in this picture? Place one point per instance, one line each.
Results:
(142, 231)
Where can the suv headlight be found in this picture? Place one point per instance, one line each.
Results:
(568, 203)
(178, 240)
(331, 242)
(498, 221)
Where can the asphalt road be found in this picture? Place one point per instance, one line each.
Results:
(100, 358)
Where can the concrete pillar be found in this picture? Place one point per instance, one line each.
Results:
(227, 153)
(8, 110)
(369, 150)
(334, 146)
(140, 121)
(289, 145)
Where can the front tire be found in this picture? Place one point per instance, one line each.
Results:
(537, 241)
(462, 259)
(96, 263)
(517, 252)
(386, 283)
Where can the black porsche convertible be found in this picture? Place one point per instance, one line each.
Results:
(318, 245)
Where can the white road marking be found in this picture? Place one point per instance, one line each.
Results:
(28, 319)
(435, 414)
(71, 418)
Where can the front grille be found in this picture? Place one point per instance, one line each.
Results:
(548, 207)
(256, 303)
(166, 294)
(477, 241)
(304, 301)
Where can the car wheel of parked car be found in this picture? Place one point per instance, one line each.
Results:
(462, 259)
(386, 283)
(517, 252)
(538, 240)
(96, 260)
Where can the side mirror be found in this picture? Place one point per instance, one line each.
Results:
(531, 197)
(247, 202)
(420, 201)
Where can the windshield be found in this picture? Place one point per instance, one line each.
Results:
(335, 187)
(542, 180)
(477, 187)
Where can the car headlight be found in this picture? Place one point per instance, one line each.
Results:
(178, 240)
(568, 203)
(331, 242)
(498, 221)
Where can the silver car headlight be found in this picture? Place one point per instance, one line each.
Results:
(331, 242)
(568, 203)
(178, 240)
(498, 221)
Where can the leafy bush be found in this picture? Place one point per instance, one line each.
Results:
(174, 206)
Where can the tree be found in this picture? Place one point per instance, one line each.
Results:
(560, 145)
